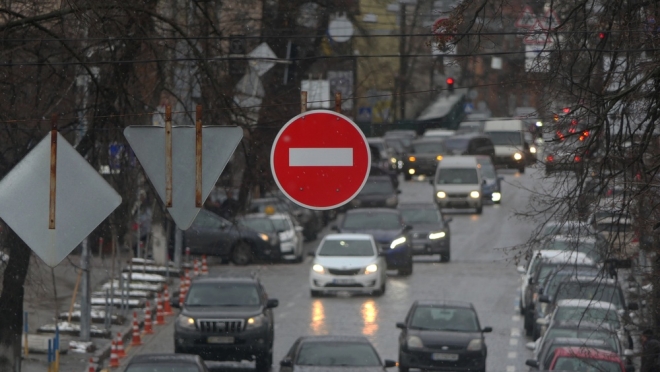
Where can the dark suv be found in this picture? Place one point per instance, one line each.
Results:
(227, 319)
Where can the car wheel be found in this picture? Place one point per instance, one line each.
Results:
(314, 293)
(403, 369)
(407, 176)
(520, 305)
(529, 327)
(178, 350)
(536, 332)
(379, 292)
(521, 170)
(264, 362)
(480, 209)
(241, 254)
(445, 257)
(408, 270)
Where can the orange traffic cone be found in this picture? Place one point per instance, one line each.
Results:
(167, 307)
(196, 268)
(120, 346)
(205, 268)
(148, 329)
(136, 341)
(187, 278)
(182, 295)
(92, 366)
(114, 359)
(160, 318)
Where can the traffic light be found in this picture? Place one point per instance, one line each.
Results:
(450, 85)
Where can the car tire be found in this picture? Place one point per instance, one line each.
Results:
(407, 176)
(445, 257)
(521, 307)
(314, 293)
(241, 254)
(178, 350)
(407, 271)
(521, 170)
(403, 368)
(529, 327)
(379, 292)
(480, 209)
(536, 332)
(264, 362)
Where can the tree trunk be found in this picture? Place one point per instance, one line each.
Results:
(11, 303)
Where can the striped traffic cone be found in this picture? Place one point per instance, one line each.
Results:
(196, 268)
(205, 268)
(114, 359)
(136, 341)
(120, 346)
(167, 307)
(148, 329)
(91, 367)
(182, 295)
(187, 278)
(160, 318)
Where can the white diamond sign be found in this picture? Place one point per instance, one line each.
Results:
(83, 199)
(218, 144)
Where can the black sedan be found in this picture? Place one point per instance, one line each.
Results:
(389, 231)
(431, 233)
(329, 353)
(166, 363)
(442, 336)
(212, 235)
(378, 191)
(424, 158)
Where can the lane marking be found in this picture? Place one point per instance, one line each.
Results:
(512, 355)
(321, 157)
(513, 342)
(515, 332)
(510, 368)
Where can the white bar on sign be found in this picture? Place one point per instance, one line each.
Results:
(320, 157)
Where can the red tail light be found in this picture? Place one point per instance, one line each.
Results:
(585, 133)
(581, 138)
(572, 130)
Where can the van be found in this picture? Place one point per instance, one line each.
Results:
(470, 144)
(510, 145)
(457, 183)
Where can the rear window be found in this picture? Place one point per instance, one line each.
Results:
(347, 248)
(337, 354)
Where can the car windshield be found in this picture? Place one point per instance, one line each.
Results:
(552, 283)
(593, 290)
(162, 367)
(444, 319)
(425, 216)
(377, 186)
(457, 145)
(258, 224)
(591, 334)
(395, 144)
(223, 294)
(353, 248)
(371, 221)
(457, 176)
(595, 315)
(587, 247)
(379, 145)
(339, 354)
(586, 365)
(428, 148)
(488, 170)
(505, 138)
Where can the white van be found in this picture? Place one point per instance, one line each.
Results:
(510, 147)
(458, 183)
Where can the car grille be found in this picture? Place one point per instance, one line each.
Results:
(420, 235)
(458, 195)
(344, 272)
(384, 246)
(220, 325)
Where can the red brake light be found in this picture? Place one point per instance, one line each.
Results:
(581, 138)
(572, 130)
(566, 110)
(585, 133)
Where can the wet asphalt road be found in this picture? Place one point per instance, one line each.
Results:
(482, 271)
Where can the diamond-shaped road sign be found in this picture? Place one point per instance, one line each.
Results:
(218, 144)
(83, 199)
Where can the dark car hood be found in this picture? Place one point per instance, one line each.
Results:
(220, 312)
(438, 339)
(426, 228)
(380, 236)
(337, 368)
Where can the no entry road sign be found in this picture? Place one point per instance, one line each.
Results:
(320, 159)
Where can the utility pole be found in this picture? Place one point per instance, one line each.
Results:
(402, 60)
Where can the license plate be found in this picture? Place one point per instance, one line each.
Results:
(220, 340)
(445, 357)
(343, 281)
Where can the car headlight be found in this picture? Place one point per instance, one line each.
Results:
(397, 242)
(393, 160)
(391, 201)
(185, 322)
(517, 156)
(474, 194)
(255, 321)
(532, 149)
(441, 194)
(496, 196)
(370, 269)
(475, 345)
(411, 171)
(414, 342)
(264, 237)
(318, 269)
(438, 158)
(437, 235)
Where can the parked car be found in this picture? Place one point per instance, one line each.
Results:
(166, 363)
(389, 231)
(282, 229)
(212, 235)
(602, 289)
(378, 191)
(328, 353)
(227, 318)
(386, 152)
(547, 353)
(442, 336)
(586, 359)
(348, 262)
(424, 158)
(310, 220)
(431, 233)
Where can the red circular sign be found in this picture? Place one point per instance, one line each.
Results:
(320, 159)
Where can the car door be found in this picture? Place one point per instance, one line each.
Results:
(209, 234)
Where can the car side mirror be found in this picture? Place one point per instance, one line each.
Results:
(545, 299)
(334, 228)
(633, 306)
(483, 182)
(272, 303)
(401, 325)
(389, 363)
(521, 269)
(286, 362)
(487, 330)
(532, 363)
(407, 228)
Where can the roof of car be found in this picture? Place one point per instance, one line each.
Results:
(226, 278)
(568, 256)
(348, 237)
(326, 338)
(156, 358)
(590, 279)
(586, 353)
(445, 303)
(581, 324)
(586, 304)
(372, 210)
(429, 140)
(569, 238)
(462, 160)
(578, 341)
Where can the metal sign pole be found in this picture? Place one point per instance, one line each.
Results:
(85, 294)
